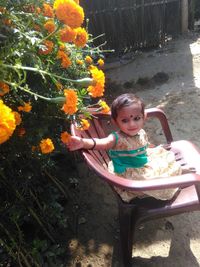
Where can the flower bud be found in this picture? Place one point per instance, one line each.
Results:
(58, 100)
(85, 82)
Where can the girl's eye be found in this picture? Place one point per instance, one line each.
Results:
(137, 118)
(125, 120)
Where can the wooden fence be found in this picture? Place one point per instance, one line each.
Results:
(133, 24)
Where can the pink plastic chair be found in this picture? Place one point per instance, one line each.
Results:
(140, 210)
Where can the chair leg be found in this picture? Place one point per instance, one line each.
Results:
(127, 224)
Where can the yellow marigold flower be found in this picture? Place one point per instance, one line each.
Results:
(97, 88)
(65, 137)
(65, 60)
(18, 118)
(49, 47)
(7, 122)
(67, 34)
(50, 26)
(100, 62)
(69, 12)
(21, 132)
(46, 146)
(84, 125)
(88, 60)
(4, 88)
(26, 107)
(48, 11)
(81, 37)
(70, 106)
(76, 1)
(105, 107)
(79, 62)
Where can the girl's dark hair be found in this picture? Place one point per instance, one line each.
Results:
(125, 100)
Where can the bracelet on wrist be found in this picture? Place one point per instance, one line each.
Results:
(94, 145)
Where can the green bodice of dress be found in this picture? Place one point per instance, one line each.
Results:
(123, 159)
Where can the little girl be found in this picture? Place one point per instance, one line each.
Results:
(128, 149)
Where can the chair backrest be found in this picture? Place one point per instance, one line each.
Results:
(97, 160)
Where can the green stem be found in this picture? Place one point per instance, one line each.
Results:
(53, 100)
(28, 91)
(15, 244)
(9, 249)
(19, 196)
(57, 183)
(38, 71)
(52, 33)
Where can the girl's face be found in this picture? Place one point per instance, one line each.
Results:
(130, 119)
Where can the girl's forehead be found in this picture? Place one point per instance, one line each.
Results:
(134, 108)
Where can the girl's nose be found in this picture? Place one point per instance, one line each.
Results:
(132, 123)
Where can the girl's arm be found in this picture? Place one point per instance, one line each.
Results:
(89, 143)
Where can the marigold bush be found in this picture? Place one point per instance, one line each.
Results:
(50, 74)
(52, 50)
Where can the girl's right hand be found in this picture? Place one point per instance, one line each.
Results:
(75, 143)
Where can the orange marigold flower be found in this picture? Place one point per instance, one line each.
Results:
(29, 8)
(70, 106)
(38, 10)
(62, 47)
(21, 132)
(69, 12)
(18, 118)
(46, 146)
(26, 107)
(50, 26)
(7, 122)
(65, 60)
(4, 88)
(7, 22)
(79, 62)
(104, 106)
(65, 137)
(88, 60)
(100, 62)
(67, 34)
(33, 148)
(84, 125)
(59, 86)
(36, 27)
(2, 9)
(48, 11)
(97, 88)
(81, 37)
(48, 48)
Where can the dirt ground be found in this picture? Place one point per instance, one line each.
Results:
(167, 77)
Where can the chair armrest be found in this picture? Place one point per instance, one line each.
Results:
(161, 116)
(146, 185)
